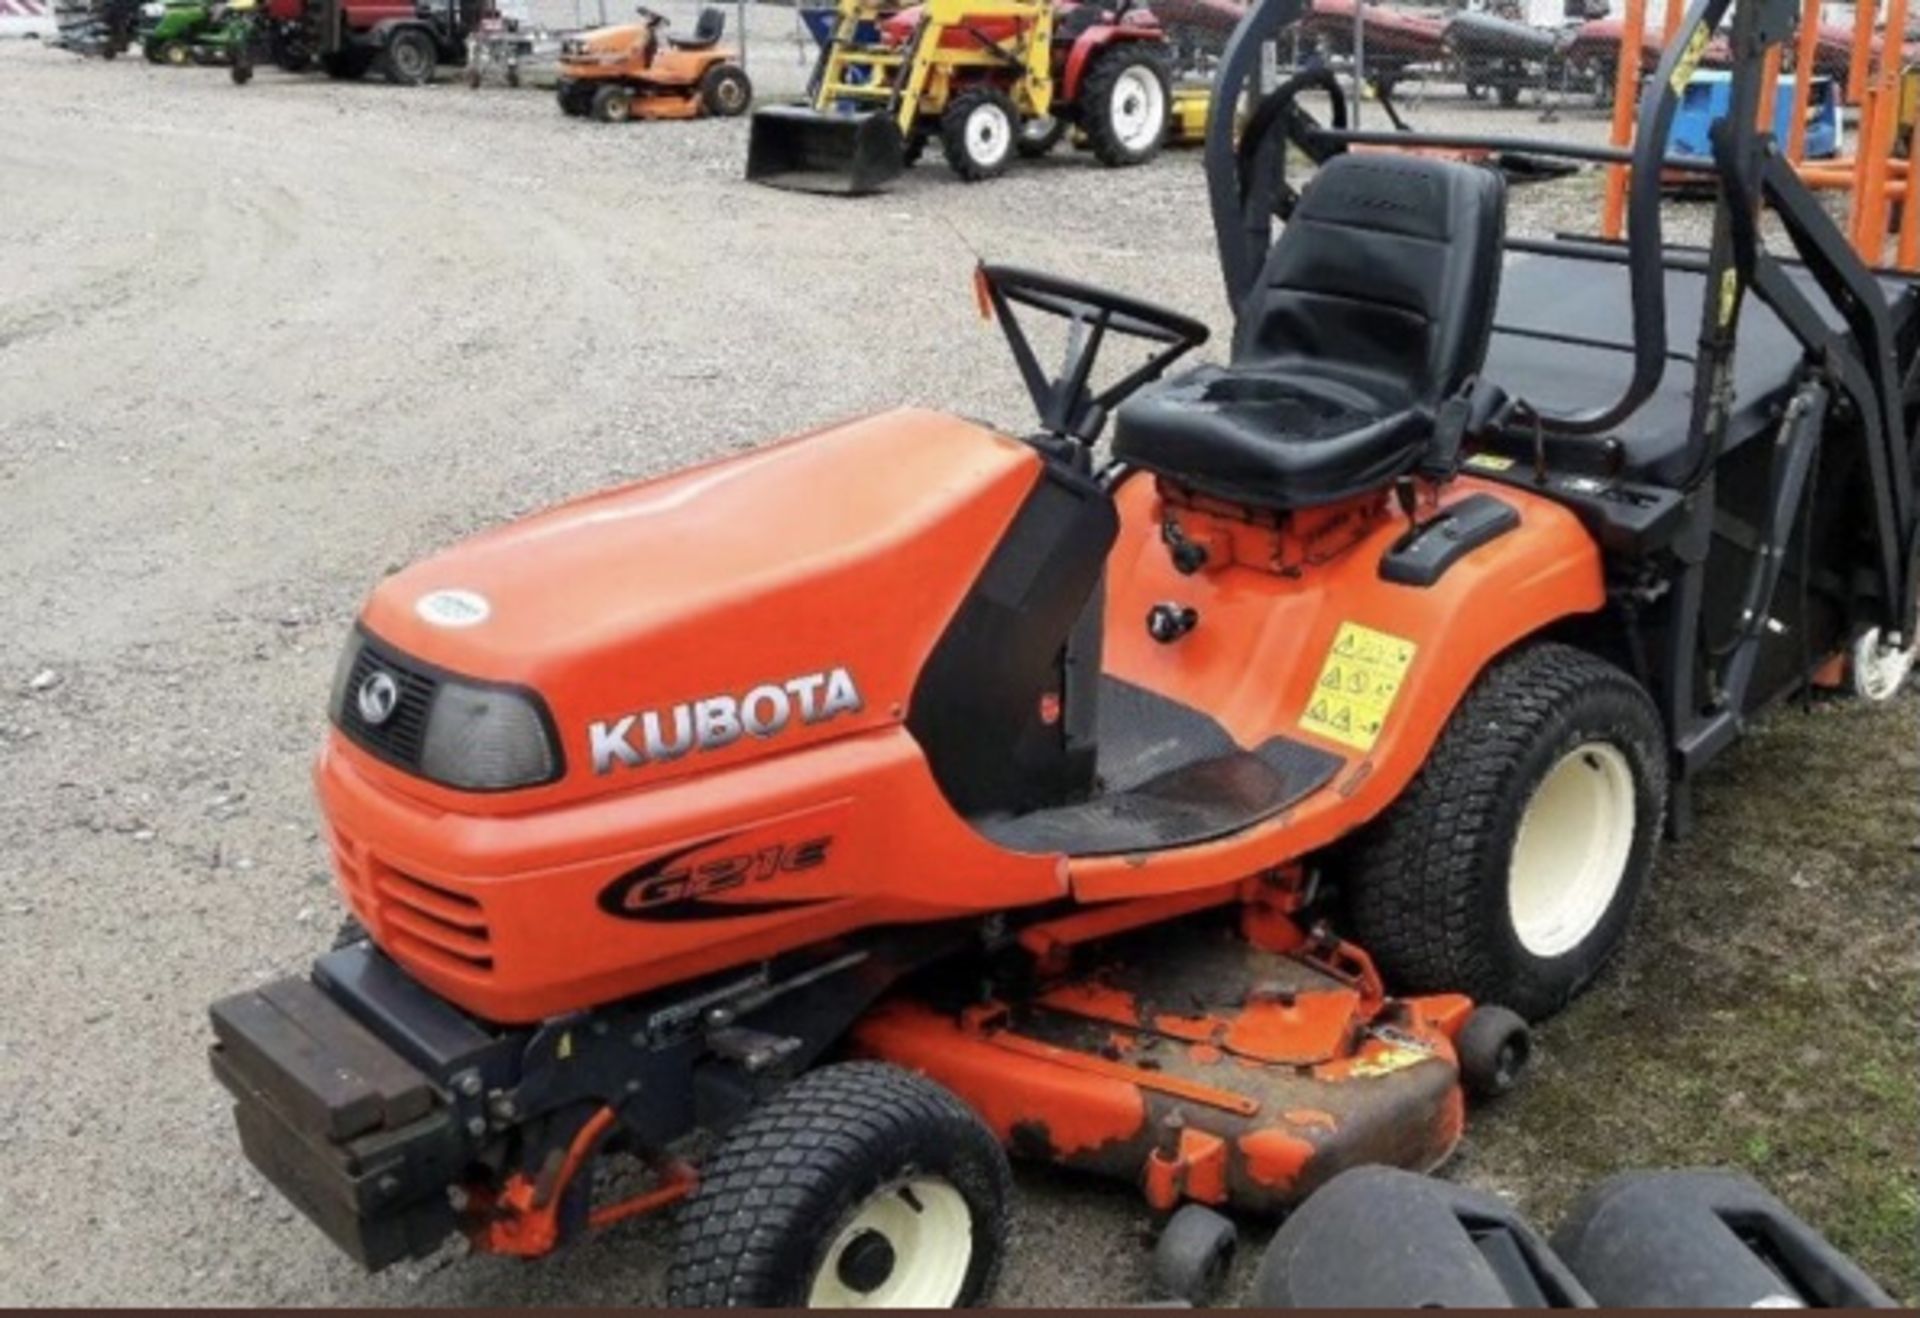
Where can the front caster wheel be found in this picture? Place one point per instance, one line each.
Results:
(1494, 1047)
(1509, 869)
(859, 1185)
(1194, 1254)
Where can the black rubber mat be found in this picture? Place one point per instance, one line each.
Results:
(1169, 776)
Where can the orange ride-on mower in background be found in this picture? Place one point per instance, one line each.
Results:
(811, 827)
(636, 71)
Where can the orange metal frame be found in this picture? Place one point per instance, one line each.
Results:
(1874, 177)
(523, 1219)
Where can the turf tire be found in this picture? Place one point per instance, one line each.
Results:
(777, 1191)
(1427, 884)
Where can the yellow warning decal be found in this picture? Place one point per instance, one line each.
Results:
(1490, 462)
(1690, 57)
(1388, 1061)
(1358, 684)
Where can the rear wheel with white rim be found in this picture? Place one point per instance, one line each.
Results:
(1125, 100)
(1509, 869)
(978, 132)
(859, 1185)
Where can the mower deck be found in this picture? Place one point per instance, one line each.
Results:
(1198, 1065)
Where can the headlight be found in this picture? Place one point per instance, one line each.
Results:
(455, 731)
(485, 739)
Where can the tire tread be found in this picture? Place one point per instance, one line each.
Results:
(1415, 878)
(784, 1168)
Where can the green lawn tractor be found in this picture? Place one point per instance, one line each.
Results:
(197, 32)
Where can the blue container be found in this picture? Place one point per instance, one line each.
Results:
(820, 27)
(1704, 103)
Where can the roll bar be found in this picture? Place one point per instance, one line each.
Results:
(1243, 228)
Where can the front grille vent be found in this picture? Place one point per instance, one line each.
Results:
(398, 737)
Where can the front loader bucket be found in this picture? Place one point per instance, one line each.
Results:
(805, 150)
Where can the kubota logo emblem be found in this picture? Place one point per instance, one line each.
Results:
(652, 736)
(377, 698)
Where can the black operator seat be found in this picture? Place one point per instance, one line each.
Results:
(707, 30)
(1374, 308)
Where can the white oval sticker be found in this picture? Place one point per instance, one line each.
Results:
(454, 608)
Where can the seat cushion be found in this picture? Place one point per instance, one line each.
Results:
(1372, 310)
(1390, 266)
(1279, 440)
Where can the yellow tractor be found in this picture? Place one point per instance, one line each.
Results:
(990, 80)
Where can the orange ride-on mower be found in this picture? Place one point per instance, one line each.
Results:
(636, 71)
(813, 826)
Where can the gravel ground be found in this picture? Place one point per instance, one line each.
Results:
(259, 347)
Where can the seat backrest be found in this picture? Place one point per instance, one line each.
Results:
(708, 27)
(1388, 271)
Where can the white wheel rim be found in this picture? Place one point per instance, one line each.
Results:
(1879, 670)
(1572, 851)
(989, 135)
(1139, 108)
(924, 1225)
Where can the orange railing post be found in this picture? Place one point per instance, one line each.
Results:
(1626, 104)
(1803, 64)
(1769, 89)
(1878, 116)
(1907, 255)
(1857, 59)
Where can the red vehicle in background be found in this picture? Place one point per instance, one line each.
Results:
(1392, 42)
(405, 40)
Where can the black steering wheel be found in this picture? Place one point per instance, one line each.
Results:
(1067, 404)
(652, 18)
(1278, 121)
(1086, 302)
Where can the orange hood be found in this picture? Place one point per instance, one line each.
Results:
(832, 559)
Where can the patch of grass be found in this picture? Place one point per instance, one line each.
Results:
(1766, 1013)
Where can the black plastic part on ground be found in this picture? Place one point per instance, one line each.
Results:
(1704, 1240)
(1380, 1238)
